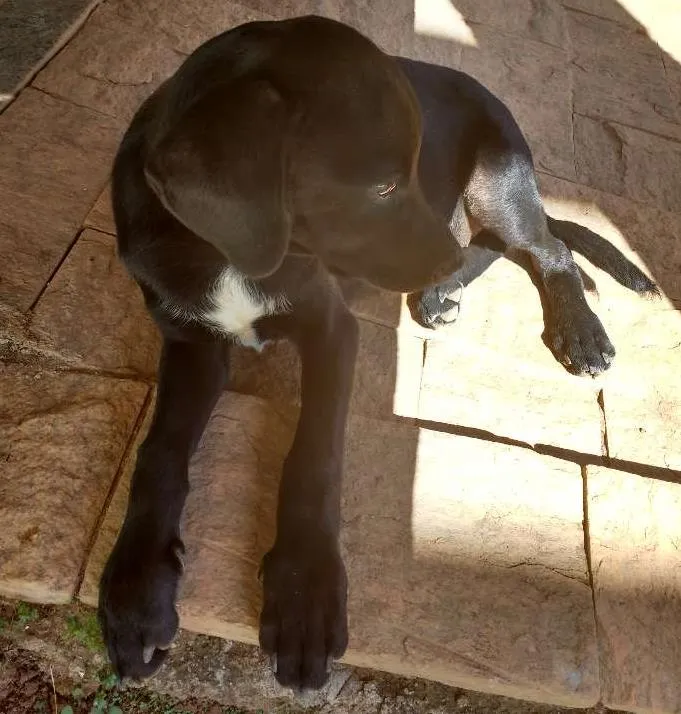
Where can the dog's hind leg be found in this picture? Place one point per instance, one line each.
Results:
(502, 196)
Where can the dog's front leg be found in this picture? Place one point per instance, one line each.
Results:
(304, 621)
(139, 584)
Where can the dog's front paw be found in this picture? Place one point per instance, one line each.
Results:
(303, 624)
(579, 341)
(438, 306)
(137, 597)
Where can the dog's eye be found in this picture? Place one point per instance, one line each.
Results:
(386, 188)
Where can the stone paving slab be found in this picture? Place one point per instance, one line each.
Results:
(93, 313)
(635, 550)
(642, 400)
(62, 438)
(535, 82)
(387, 377)
(636, 93)
(470, 578)
(100, 216)
(464, 579)
(127, 49)
(461, 386)
(31, 31)
(541, 22)
(628, 162)
(45, 199)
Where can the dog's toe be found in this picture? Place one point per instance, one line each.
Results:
(581, 344)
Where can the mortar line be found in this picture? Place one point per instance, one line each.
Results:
(589, 568)
(660, 135)
(424, 355)
(59, 46)
(579, 458)
(605, 443)
(54, 272)
(137, 426)
(68, 100)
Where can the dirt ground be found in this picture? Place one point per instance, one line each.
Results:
(52, 661)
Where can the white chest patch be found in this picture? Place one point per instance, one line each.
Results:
(236, 304)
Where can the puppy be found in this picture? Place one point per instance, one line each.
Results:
(279, 155)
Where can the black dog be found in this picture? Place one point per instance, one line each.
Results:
(279, 154)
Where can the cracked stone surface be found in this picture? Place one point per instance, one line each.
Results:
(45, 199)
(93, 312)
(465, 546)
(635, 545)
(635, 164)
(637, 94)
(100, 216)
(30, 32)
(474, 590)
(534, 80)
(62, 438)
(126, 50)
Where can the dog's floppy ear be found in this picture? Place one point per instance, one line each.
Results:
(220, 171)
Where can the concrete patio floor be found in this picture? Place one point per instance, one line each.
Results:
(508, 528)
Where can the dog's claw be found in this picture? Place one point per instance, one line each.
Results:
(178, 551)
(444, 292)
(148, 653)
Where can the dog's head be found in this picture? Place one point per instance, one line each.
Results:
(301, 129)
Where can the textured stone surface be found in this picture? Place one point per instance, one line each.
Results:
(62, 437)
(533, 79)
(387, 372)
(473, 571)
(126, 50)
(101, 214)
(643, 398)
(473, 575)
(543, 21)
(94, 312)
(635, 550)
(636, 92)
(54, 161)
(31, 31)
(628, 162)
(465, 556)
(604, 8)
(479, 387)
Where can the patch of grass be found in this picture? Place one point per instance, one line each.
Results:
(25, 613)
(85, 629)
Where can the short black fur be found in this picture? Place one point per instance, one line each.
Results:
(292, 151)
